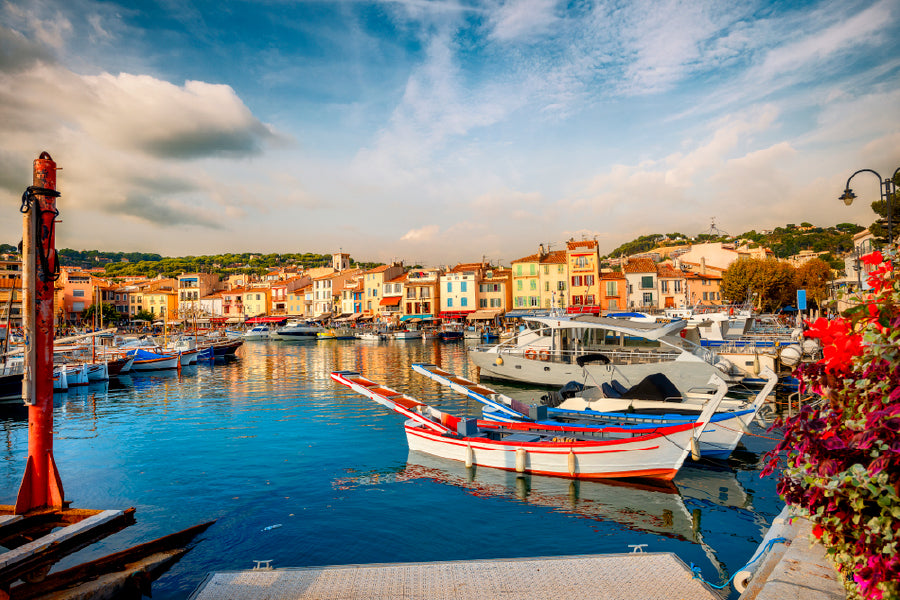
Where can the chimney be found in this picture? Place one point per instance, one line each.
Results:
(702, 265)
(541, 250)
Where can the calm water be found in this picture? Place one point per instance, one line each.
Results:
(269, 440)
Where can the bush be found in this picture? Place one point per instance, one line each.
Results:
(843, 456)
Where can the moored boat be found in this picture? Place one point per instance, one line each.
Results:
(626, 451)
(719, 439)
(150, 361)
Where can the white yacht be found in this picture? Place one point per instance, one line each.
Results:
(296, 329)
(258, 332)
(553, 350)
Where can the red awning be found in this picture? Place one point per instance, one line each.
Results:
(265, 319)
(457, 314)
(393, 301)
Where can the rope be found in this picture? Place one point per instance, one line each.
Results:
(696, 570)
(42, 234)
(765, 437)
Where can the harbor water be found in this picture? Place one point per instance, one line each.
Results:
(303, 472)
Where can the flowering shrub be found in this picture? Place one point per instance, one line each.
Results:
(843, 456)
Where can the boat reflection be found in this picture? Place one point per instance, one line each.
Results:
(651, 506)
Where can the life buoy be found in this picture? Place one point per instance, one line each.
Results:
(530, 354)
(545, 355)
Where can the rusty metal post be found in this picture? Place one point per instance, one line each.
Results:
(41, 485)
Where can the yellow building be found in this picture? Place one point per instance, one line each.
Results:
(583, 260)
(257, 301)
(540, 280)
(162, 304)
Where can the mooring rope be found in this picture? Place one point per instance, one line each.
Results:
(696, 570)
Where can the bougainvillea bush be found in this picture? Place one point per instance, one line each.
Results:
(842, 466)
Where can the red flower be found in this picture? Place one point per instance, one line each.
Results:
(873, 258)
(818, 531)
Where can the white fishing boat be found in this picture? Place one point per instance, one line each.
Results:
(554, 350)
(97, 372)
(655, 453)
(372, 336)
(150, 361)
(720, 437)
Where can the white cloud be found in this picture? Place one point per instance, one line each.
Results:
(423, 234)
(513, 19)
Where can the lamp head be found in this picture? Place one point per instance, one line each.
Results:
(848, 197)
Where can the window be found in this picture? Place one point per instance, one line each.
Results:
(462, 286)
(560, 286)
(78, 307)
(664, 286)
(546, 269)
(546, 286)
(576, 300)
(495, 302)
(78, 293)
(589, 300)
(611, 288)
(257, 296)
(646, 282)
(613, 304)
(581, 262)
(519, 269)
(648, 298)
(449, 287)
(532, 284)
(576, 280)
(588, 280)
(706, 295)
(532, 269)
(677, 286)
(410, 292)
(519, 284)
(449, 302)
(482, 303)
(463, 301)
(425, 293)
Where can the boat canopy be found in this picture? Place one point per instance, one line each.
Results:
(482, 315)
(650, 331)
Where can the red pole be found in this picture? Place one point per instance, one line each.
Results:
(41, 485)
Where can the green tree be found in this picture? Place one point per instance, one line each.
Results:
(143, 315)
(814, 277)
(108, 313)
(769, 284)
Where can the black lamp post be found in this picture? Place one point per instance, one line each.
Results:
(888, 190)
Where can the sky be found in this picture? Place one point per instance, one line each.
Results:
(437, 132)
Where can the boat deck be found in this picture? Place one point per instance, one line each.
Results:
(609, 576)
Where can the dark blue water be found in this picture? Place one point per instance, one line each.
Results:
(269, 440)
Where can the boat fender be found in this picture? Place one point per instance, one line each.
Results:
(572, 464)
(695, 449)
(470, 456)
(499, 361)
(521, 455)
(545, 355)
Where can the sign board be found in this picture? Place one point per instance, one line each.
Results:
(801, 299)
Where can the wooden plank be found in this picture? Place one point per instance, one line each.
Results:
(118, 562)
(9, 519)
(26, 551)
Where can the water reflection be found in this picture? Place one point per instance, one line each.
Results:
(269, 438)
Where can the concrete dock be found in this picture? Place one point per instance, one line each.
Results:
(635, 576)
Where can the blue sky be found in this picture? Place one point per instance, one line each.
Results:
(439, 132)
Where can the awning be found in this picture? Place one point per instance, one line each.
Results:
(455, 314)
(393, 301)
(266, 319)
(518, 314)
(354, 316)
(175, 322)
(482, 315)
(234, 320)
(416, 318)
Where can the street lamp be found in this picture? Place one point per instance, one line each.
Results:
(888, 190)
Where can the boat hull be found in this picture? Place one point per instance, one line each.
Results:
(652, 456)
(162, 363)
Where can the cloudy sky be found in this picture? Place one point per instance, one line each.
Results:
(442, 131)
